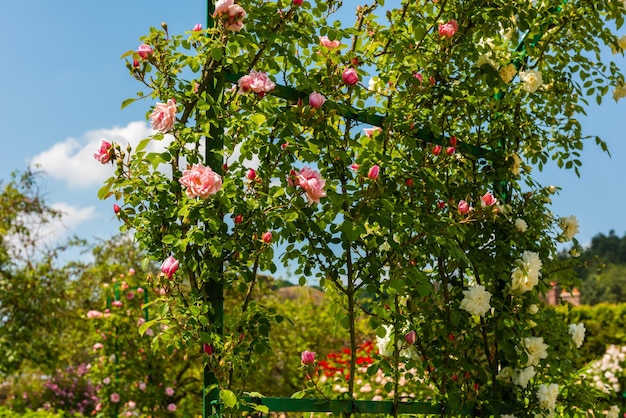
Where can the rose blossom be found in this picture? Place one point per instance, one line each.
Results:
(105, 153)
(535, 349)
(169, 391)
(437, 149)
(410, 337)
(256, 82)
(522, 377)
(115, 397)
(163, 116)
(577, 331)
(547, 395)
(463, 207)
(521, 225)
(350, 76)
(297, 2)
(307, 357)
(236, 14)
(372, 174)
(200, 181)
(327, 43)
(316, 100)
(476, 300)
(144, 51)
(447, 30)
(488, 199)
(197, 27)
(371, 131)
(531, 79)
(569, 225)
(267, 237)
(169, 266)
(312, 184)
(94, 314)
(171, 407)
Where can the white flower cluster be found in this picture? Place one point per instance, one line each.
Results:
(525, 276)
(476, 300)
(577, 331)
(521, 225)
(605, 372)
(569, 225)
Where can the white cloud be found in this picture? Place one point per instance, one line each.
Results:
(72, 160)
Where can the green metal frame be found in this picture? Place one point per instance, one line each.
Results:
(214, 292)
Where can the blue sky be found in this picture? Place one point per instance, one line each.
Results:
(62, 84)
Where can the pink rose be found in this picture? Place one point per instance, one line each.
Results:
(267, 237)
(437, 149)
(372, 174)
(221, 7)
(238, 219)
(307, 357)
(410, 337)
(350, 76)
(142, 386)
(256, 82)
(115, 397)
(105, 153)
(144, 51)
(450, 150)
(169, 266)
(94, 314)
(316, 100)
(354, 167)
(371, 131)
(419, 77)
(117, 304)
(171, 407)
(312, 184)
(447, 30)
(197, 27)
(207, 349)
(251, 174)
(327, 43)
(297, 2)
(116, 209)
(163, 116)
(98, 346)
(236, 14)
(453, 141)
(200, 181)
(488, 199)
(463, 207)
(169, 391)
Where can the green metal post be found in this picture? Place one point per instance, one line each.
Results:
(213, 289)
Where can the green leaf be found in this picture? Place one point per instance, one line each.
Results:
(144, 327)
(262, 408)
(228, 398)
(128, 101)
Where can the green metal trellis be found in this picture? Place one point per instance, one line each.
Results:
(213, 290)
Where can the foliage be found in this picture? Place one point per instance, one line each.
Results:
(456, 243)
(7, 413)
(602, 270)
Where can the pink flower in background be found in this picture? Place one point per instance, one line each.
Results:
(488, 199)
(350, 76)
(144, 51)
(372, 174)
(316, 100)
(207, 349)
(463, 207)
(200, 181)
(410, 337)
(437, 149)
(419, 77)
(221, 7)
(97, 346)
(171, 407)
(450, 150)
(197, 27)
(267, 237)
(447, 30)
(94, 314)
(117, 303)
(163, 116)
(312, 184)
(256, 82)
(169, 266)
(115, 397)
(140, 322)
(251, 174)
(142, 386)
(297, 2)
(371, 131)
(116, 209)
(105, 153)
(354, 166)
(453, 141)
(307, 357)
(327, 43)
(169, 391)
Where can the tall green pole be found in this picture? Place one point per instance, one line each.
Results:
(213, 289)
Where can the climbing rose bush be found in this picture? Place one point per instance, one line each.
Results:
(421, 217)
